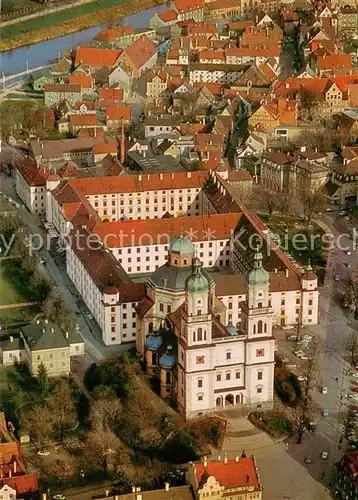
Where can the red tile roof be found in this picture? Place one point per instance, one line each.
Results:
(253, 52)
(62, 88)
(9, 451)
(109, 147)
(23, 485)
(161, 231)
(97, 57)
(91, 132)
(168, 15)
(135, 184)
(188, 5)
(230, 475)
(86, 81)
(33, 175)
(85, 120)
(119, 112)
(68, 170)
(334, 61)
(211, 55)
(140, 51)
(112, 34)
(111, 94)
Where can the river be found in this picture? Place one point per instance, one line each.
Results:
(14, 61)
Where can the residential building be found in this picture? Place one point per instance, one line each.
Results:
(96, 58)
(157, 83)
(347, 469)
(215, 73)
(189, 9)
(223, 9)
(162, 19)
(139, 56)
(15, 483)
(116, 115)
(30, 183)
(348, 18)
(116, 37)
(56, 93)
(252, 55)
(168, 493)
(235, 478)
(161, 127)
(45, 343)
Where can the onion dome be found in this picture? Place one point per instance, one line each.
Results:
(258, 275)
(182, 246)
(154, 341)
(197, 282)
(168, 359)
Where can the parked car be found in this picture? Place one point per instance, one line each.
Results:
(308, 460)
(336, 277)
(324, 455)
(43, 453)
(342, 212)
(354, 389)
(348, 252)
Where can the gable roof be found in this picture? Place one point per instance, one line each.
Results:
(23, 485)
(232, 474)
(44, 336)
(86, 81)
(111, 94)
(187, 5)
(168, 15)
(334, 61)
(97, 57)
(140, 51)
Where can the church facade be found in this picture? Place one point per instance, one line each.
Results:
(199, 359)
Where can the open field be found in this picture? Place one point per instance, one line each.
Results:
(10, 293)
(70, 21)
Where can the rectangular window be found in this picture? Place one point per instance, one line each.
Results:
(238, 374)
(161, 307)
(228, 355)
(113, 339)
(228, 376)
(259, 390)
(218, 377)
(259, 376)
(200, 382)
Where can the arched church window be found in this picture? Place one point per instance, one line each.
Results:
(200, 334)
(204, 334)
(259, 326)
(254, 329)
(168, 378)
(185, 262)
(265, 327)
(194, 336)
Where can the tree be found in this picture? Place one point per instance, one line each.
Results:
(40, 424)
(56, 310)
(63, 408)
(352, 287)
(312, 203)
(42, 379)
(270, 201)
(302, 413)
(105, 413)
(351, 346)
(103, 448)
(349, 421)
(308, 104)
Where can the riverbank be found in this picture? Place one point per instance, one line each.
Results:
(111, 14)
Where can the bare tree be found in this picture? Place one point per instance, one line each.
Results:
(303, 412)
(104, 449)
(40, 424)
(312, 203)
(270, 201)
(352, 286)
(351, 346)
(105, 413)
(63, 407)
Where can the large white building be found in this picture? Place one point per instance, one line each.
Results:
(211, 363)
(127, 224)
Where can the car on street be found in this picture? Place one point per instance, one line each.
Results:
(336, 277)
(59, 497)
(308, 460)
(347, 264)
(324, 455)
(348, 252)
(353, 397)
(353, 374)
(354, 389)
(342, 212)
(324, 390)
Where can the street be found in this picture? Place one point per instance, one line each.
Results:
(90, 331)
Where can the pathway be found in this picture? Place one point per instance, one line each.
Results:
(281, 468)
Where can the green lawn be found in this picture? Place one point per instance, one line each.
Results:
(13, 283)
(59, 17)
(19, 315)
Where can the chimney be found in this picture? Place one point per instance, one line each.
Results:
(37, 322)
(219, 458)
(137, 489)
(303, 149)
(172, 175)
(287, 273)
(44, 496)
(140, 177)
(139, 497)
(237, 458)
(52, 330)
(167, 486)
(161, 177)
(11, 338)
(205, 461)
(122, 142)
(46, 321)
(66, 334)
(10, 473)
(133, 489)
(42, 146)
(276, 270)
(148, 177)
(225, 459)
(188, 174)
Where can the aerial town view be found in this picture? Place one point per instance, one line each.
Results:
(178, 249)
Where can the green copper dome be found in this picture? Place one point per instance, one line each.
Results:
(197, 282)
(182, 245)
(257, 275)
